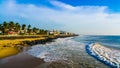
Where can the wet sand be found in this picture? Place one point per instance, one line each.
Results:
(21, 60)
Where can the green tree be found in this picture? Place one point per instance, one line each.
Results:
(17, 27)
(29, 29)
(0, 27)
(23, 27)
(11, 25)
(35, 30)
(5, 27)
(42, 31)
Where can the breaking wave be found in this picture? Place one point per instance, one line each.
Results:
(58, 50)
(108, 56)
(65, 50)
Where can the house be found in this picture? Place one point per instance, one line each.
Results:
(0, 32)
(12, 32)
(53, 32)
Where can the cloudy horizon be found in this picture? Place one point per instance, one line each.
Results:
(55, 14)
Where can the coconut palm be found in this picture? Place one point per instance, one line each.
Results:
(35, 30)
(11, 25)
(5, 27)
(17, 27)
(29, 29)
(24, 28)
(0, 27)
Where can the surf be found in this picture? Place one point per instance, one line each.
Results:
(108, 56)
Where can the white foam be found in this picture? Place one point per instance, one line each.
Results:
(107, 54)
(58, 50)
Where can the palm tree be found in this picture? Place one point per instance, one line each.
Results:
(45, 31)
(0, 27)
(24, 28)
(17, 27)
(29, 26)
(42, 31)
(5, 27)
(35, 30)
(11, 25)
(29, 29)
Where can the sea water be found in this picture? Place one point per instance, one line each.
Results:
(71, 53)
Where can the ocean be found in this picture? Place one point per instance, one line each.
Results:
(71, 53)
(111, 41)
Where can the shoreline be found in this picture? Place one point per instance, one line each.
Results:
(11, 45)
(103, 54)
(21, 60)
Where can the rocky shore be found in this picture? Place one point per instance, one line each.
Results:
(108, 56)
(11, 45)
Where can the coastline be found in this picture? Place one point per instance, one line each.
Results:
(103, 54)
(21, 60)
(12, 45)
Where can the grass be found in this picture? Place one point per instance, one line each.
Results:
(12, 47)
(8, 51)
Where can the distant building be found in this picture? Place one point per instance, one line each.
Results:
(53, 32)
(0, 32)
(12, 32)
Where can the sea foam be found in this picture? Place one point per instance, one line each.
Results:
(108, 56)
(58, 50)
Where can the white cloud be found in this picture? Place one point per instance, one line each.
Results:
(80, 19)
(62, 5)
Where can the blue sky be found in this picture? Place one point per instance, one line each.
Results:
(114, 5)
(78, 16)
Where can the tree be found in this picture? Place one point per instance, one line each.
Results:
(29, 26)
(35, 30)
(5, 27)
(17, 27)
(29, 29)
(11, 25)
(23, 27)
(0, 26)
(42, 31)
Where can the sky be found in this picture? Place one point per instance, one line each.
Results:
(94, 17)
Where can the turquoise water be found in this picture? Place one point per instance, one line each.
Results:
(71, 53)
(111, 41)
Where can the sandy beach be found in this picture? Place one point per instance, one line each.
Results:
(21, 60)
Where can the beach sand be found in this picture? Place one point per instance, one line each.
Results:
(24, 60)
(21, 60)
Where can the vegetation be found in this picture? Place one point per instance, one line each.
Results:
(15, 28)
(5, 52)
(15, 36)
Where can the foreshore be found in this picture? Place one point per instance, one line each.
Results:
(104, 54)
(11, 45)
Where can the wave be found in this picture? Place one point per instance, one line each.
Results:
(108, 56)
(65, 50)
(58, 50)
